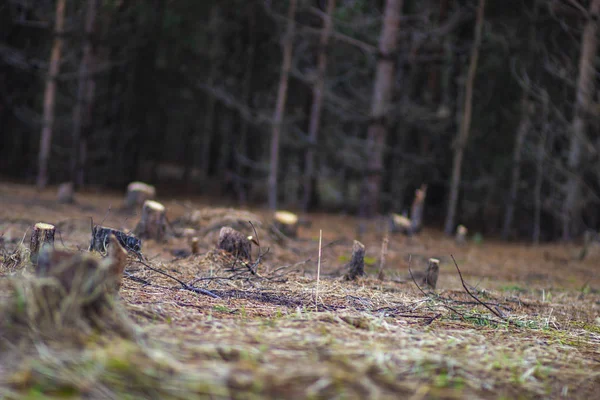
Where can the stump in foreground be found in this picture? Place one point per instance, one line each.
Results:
(100, 240)
(66, 193)
(82, 272)
(356, 266)
(41, 237)
(286, 222)
(138, 193)
(153, 222)
(234, 242)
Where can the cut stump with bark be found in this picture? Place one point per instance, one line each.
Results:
(100, 240)
(84, 273)
(356, 266)
(234, 242)
(138, 193)
(400, 224)
(195, 245)
(153, 223)
(432, 272)
(66, 193)
(416, 210)
(117, 259)
(41, 237)
(461, 234)
(286, 222)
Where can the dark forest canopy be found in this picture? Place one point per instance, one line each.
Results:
(346, 105)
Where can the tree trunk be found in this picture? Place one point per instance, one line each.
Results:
(49, 96)
(85, 93)
(209, 116)
(242, 147)
(433, 80)
(539, 172)
(288, 43)
(465, 125)
(382, 95)
(585, 89)
(523, 129)
(316, 107)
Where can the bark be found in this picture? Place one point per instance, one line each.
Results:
(317, 105)
(584, 94)
(522, 130)
(101, 242)
(42, 236)
(356, 266)
(209, 116)
(242, 148)
(465, 124)
(382, 95)
(539, 174)
(288, 44)
(85, 94)
(433, 80)
(153, 222)
(235, 243)
(49, 96)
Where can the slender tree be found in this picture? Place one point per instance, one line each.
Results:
(317, 105)
(383, 87)
(515, 176)
(578, 137)
(209, 116)
(50, 95)
(465, 124)
(288, 47)
(85, 95)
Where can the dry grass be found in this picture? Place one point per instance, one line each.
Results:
(263, 337)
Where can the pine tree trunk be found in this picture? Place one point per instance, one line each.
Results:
(316, 107)
(209, 116)
(465, 124)
(242, 147)
(542, 145)
(50, 94)
(85, 94)
(382, 95)
(585, 89)
(288, 45)
(522, 130)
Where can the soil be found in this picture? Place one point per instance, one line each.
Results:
(210, 325)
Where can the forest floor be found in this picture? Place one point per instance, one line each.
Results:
(266, 336)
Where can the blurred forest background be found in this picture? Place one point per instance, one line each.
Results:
(333, 105)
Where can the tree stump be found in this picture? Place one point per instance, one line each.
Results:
(416, 211)
(117, 259)
(100, 240)
(286, 222)
(356, 266)
(153, 223)
(83, 273)
(66, 193)
(138, 193)
(432, 272)
(42, 236)
(234, 242)
(399, 224)
(195, 245)
(461, 234)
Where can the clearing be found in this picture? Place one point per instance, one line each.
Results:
(267, 337)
